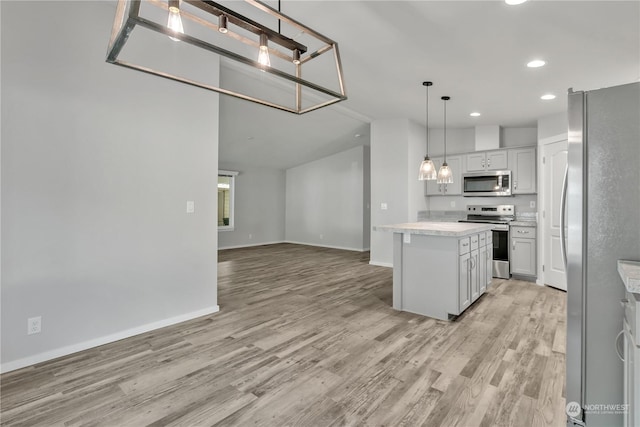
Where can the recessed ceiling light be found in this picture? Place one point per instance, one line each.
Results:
(474, 114)
(357, 135)
(548, 96)
(514, 2)
(536, 63)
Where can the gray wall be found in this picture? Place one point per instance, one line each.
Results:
(366, 199)
(325, 202)
(96, 171)
(397, 148)
(259, 210)
(552, 125)
(463, 140)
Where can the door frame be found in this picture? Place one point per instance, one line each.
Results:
(541, 234)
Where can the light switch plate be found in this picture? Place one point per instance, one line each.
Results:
(191, 206)
(383, 206)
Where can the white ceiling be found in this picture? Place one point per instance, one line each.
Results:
(474, 51)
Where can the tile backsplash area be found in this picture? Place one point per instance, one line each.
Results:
(446, 216)
(440, 207)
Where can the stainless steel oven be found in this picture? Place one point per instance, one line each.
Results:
(499, 216)
(501, 250)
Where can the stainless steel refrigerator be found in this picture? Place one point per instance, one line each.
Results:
(603, 225)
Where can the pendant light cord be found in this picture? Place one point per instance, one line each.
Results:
(445, 131)
(427, 118)
(279, 18)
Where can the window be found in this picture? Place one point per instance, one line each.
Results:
(226, 193)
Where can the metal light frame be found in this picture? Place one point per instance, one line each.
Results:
(125, 22)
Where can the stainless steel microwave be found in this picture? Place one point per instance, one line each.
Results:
(490, 183)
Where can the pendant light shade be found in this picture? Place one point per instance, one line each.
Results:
(444, 174)
(427, 168)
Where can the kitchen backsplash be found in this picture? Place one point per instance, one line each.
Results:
(441, 210)
(452, 216)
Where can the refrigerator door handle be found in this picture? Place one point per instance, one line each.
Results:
(563, 209)
(618, 346)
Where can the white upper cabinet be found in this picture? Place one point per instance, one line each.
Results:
(486, 161)
(453, 189)
(523, 170)
(520, 161)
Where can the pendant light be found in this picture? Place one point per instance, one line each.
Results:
(444, 174)
(242, 33)
(175, 22)
(427, 168)
(263, 51)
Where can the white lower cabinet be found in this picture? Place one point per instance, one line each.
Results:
(630, 358)
(482, 268)
(464, 295)
(523, 251)
(473, 276)
(474, 269)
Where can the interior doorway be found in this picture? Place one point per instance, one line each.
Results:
(554, 164)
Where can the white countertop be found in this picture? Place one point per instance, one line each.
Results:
(455, 229)
(630, 274)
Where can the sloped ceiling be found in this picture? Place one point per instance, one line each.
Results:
(475, 51)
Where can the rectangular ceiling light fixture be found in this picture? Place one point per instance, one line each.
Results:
(245, 49)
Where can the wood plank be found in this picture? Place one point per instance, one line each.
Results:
(307, 336)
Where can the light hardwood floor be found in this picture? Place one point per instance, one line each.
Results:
(307, 337)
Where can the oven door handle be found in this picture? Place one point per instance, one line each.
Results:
(563, 209)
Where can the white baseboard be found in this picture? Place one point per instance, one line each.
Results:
(74, 348)
(221, 248)
(381, 264)
(344, 248)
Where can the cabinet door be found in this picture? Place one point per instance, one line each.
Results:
(434, 189)
(474, 281)
(523, 169)
(475, 162)
(489, 263)
(464, 290)
(523, 256)
(627, 375)
(497, 160)
(455, 188)
(482, 269)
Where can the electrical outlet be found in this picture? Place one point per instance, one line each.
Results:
(453, 204)
(34, 325)
(532, 204)
(191, 206)
(321, 236)
(250, 236)
(383, 206)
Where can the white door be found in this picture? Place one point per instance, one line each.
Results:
(555, 163)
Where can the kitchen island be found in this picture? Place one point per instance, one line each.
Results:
(439, 268)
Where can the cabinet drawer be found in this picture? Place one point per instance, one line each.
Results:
(463, 246)
(475, 239)
(523, 232)
(483, 239)
(489, 237)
